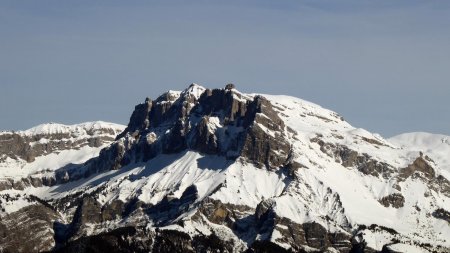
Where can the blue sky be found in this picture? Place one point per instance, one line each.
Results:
(383, 65)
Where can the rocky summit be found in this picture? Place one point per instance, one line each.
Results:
(217, 170)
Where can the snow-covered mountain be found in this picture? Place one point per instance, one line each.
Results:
(32, 156)
(218, 170)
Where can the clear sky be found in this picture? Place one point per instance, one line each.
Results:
(384, 65)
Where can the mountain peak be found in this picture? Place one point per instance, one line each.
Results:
(219, 121)
(22, 147)
(194, 90)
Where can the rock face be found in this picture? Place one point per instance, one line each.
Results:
(217, 170)
(395, 200)
(442, 214)
(220, 122)
(28, 230)
(419, 165)
(351, 158)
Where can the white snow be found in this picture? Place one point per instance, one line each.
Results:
(401, 247)
(436, 146)
(50, 162)
(12, 168)
(77, 129)
(194, 90)
(248, 185)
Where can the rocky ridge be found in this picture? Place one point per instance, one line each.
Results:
(27, 158)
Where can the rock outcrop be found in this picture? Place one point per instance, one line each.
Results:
(29, 229)
(220, 122)
(395, 200)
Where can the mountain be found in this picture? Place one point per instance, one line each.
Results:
(31, 157)
(217, 170)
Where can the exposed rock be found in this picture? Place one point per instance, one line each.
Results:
(29, 229)
(139, 119)
(388, 249)
(350, 158)
(441, 184)
(173, 241)
(359, 245)
(126, 239)
(247, 222)
(171, 208)
(269, 247)
(22, 183)
(230, 86)
(296, 235)
(395, 200)
(442, 214)
(225, 214)
(373, 141)
(204, 138)
(5, 184)
(220, 122)
(138, 239)
(88, 211)
(422, 169)
(112, 210)
(419, 165)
